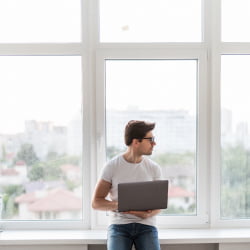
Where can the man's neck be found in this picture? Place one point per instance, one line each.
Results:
(131, 157)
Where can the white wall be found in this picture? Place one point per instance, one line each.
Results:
(103, 247)
(43, 247)
(174, 247)
(234, 246)
(222, 246)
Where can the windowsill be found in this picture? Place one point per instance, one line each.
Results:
(88, 237)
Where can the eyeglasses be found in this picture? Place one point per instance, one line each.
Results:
(151, 139)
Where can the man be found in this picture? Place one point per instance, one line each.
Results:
(132, 227)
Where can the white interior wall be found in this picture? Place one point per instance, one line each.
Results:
(103, 247)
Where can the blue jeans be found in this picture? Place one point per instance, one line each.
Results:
(123, 236)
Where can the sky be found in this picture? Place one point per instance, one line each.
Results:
(151, 84)
(150, 20)
(49, 88)
(235, 20)
(235, 86)
(40, 21)
(42, 88)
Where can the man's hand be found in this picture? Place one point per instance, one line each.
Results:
(143, 214)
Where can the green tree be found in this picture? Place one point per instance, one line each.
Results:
(71, 185)
(27, 154)
(165, 159)
(234, 165)
(54, 158)
(9, 205)
(52, 171)
(112, 151)
(37, 171)
(51, 168)
(235, 186)
(3, 158)
(52, 155)
(46, 171)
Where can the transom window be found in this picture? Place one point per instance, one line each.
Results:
(150, 21)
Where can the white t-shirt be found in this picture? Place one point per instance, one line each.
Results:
(118, 170)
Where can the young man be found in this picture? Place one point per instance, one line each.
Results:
(133, 227)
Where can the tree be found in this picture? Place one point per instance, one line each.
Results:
(52, 155)
(165, 159)
(46, 171)
(27, 154)
(51, 169)
(54, 158)
(112, 151)
(37, 172)
(235, 189)
(10, 193)
(3, 153)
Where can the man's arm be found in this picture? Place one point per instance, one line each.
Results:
(99, 200)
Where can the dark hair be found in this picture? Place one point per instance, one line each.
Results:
(137, 130)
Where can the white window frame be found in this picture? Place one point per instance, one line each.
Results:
(197, 51)
(219, 48)
(181, 53)
(62, 49)
(51, 50)
(93, 54)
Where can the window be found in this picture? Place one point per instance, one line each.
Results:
(41, 165)
(41, 130)
(145, 85)
(149, 90)
(229, 144)
(235, 19)
(71, 81)
(150, 21)
(235, 115)
(232, 84)
(40, 21)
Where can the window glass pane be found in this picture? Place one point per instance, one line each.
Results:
(40, 137)
(235, 20)
(161, 91)
(150, 20)
(40, 21)
(235, 138)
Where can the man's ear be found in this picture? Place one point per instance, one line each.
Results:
(135, 141)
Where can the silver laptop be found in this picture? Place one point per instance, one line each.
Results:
(141, 196)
